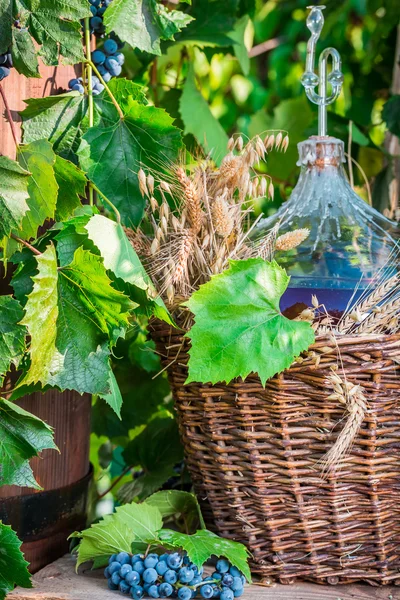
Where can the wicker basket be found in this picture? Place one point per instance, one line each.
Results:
(254, 455)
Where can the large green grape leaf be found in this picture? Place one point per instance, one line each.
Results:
(113, 397)
(13, 195)
(116, 532)
(203, 544)
(239, 328)
(200, 121)
(63, 119)
(24, 53)
(120, 258)
(72, 316)
(111, 156)
(71, 186)
(13, 566)
(214, 21)
(53, 24)
(22, 436)
(38, 158)
(12, 334)
(144, 23)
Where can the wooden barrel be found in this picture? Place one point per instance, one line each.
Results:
(43, 520)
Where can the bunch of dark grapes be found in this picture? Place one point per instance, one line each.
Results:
(6, 64)
(108, 61)
(98, 8)
(171, 575)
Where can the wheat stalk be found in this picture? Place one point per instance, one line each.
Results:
(223, 220)
(191, 200)
(353, 398)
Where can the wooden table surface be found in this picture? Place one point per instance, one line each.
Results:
(59, 581)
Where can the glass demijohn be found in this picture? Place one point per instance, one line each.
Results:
(349, 241)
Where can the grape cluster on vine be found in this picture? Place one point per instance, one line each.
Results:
(6, 64)
(171, 576)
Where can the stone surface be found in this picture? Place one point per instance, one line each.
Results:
(59, 581)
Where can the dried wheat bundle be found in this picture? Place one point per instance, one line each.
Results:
(200, 217)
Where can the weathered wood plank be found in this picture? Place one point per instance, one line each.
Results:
(59, 581)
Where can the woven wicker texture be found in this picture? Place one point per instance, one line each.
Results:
(255, 457)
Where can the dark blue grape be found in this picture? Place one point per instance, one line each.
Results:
(137, 592)
(161, 567)
(226, 594)
(71, 83)
(113, 67)
(114, 567)
(165, 590)
(3, 59)
(153, 591)
(138, 566)
(238, 593)
(207, 591)
(110, 46)
(120, 58)
(125, 569)
(113, 556)
(98, 57)
(96, 22)
(216, 575)
(174, 561)
(184, 593)
(216, 591)
(133, 578)
(106, 572)
(237, 584)
(234, 571)
(222, 565)
(186, 575)
(227, 579)
(151, 560)
(4, 72)
(124, 587)
(150, 575)
(107, 76)
(111, 585)
(116, 578)
(95, 2)
(171, 576)
(78, 87)
(93, 10)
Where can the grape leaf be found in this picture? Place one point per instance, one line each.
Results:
(239, 328)
(116, 532)
(71, 315)
(13, 566)
(22, 436)
(112, 156)
(199, 120)
(12, 334)
(214, 21)
(145, 485)
(143, 24)
(13, 195)
(24, 54)
(53, 24)
(176, 502)
(120, 258)
(63, 119)
(391, 114)
(38, 158)
(113, 398)
(104, 538)
(71, 185)
(203, 544)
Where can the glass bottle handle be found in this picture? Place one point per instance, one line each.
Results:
(310, 80)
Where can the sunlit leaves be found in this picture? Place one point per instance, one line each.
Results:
(12, 334)
(144, 23)
(13, 195)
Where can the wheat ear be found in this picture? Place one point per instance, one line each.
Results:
(353, 398)
(291, 239)
(192, 201)
(222, 217)
(181, 260)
